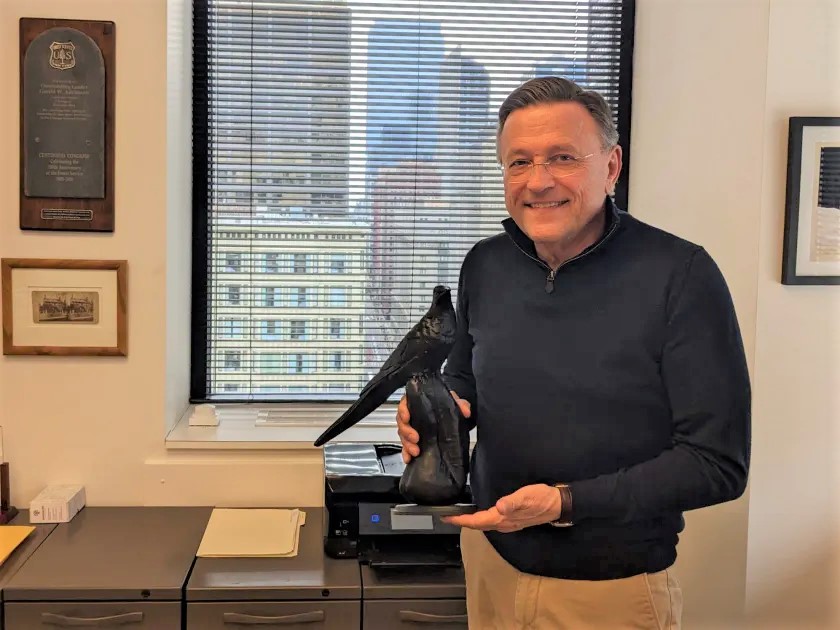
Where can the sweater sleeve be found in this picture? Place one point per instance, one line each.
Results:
(705, 375)
(457, 373)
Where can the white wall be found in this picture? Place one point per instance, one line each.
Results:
(85, 419)
(793, 577)
(101, 421)
(714, 83)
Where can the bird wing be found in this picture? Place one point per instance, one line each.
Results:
(376, 392)
(412, 347)
(409, 356)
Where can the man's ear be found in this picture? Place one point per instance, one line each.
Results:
(613, 169)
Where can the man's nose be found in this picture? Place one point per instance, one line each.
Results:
(539, 178)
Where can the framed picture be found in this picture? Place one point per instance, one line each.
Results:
(811, 250)
(64, 307)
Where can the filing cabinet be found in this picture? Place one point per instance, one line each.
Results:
(423, 597)
(118, 567)
(21, 554)
(310, 591)
(110, 567)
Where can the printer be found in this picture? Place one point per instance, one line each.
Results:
(361, 486)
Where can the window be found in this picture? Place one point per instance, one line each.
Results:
(232, 360)
(271, 265)
(233, 261)
(336, 361)
(344, 158)
(337, 263)
(301, 363)
(336, 329)
(233, 293)
(269, 363)
(298, 330)
(231, 328)
(337, 296)
(300, 297)
(300, 263)
(270, 330)
(271, 296)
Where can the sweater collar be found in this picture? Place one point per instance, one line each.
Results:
(527, 245)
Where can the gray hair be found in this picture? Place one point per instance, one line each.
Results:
(559, 90)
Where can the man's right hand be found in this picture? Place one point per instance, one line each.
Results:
(408, 436)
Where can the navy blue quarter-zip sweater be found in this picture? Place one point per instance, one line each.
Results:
(622, 374)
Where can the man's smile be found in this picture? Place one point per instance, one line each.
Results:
(547, 204)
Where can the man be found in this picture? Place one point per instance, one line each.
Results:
(601, 360)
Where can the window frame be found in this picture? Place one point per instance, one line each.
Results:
(201, 167)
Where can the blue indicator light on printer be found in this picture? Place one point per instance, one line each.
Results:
(374, 518)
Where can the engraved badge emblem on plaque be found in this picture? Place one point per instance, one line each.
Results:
(62, 57)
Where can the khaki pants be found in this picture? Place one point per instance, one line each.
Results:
(499, 597)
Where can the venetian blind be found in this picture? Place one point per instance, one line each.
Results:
(829, 189)
(344, 157)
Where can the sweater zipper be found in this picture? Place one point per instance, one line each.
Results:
(552, 273)
(549, 282)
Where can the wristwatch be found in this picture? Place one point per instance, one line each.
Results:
(565, 518)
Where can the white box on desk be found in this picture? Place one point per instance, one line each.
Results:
(57, 504)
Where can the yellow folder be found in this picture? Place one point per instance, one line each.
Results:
(11, 536)
(251, 533)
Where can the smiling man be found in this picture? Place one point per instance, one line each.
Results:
(601, 360)
(558, 167)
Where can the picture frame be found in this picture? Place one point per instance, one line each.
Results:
(64, 307)
(811, 247)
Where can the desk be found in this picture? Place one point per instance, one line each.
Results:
(117, 565)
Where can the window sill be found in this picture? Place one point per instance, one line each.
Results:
(267, 427)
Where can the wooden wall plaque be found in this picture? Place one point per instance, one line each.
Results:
(67, 124)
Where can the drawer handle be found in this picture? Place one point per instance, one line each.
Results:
(91, 622)
(418, 617)
(253, 620)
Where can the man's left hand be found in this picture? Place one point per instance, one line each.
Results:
(531, 505)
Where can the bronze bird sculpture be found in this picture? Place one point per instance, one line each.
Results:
(438, 475)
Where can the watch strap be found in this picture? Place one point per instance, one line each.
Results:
(565, 518)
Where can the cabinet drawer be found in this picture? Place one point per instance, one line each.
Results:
(310, 615)
(102, 615)
(416, 614)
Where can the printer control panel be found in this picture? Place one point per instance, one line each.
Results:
(377, 519)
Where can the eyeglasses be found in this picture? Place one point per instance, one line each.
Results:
(561, 165)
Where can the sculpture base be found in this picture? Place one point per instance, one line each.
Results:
(435, 510)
